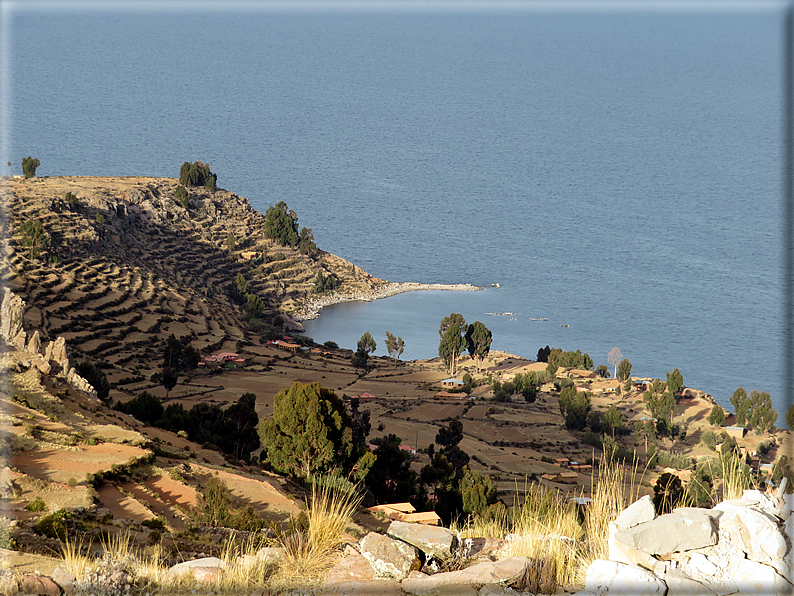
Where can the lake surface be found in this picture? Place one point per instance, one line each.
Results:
(618, 172)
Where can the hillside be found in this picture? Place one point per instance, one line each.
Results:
(127, 255)
(126, 267)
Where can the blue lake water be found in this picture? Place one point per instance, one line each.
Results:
(615, 171)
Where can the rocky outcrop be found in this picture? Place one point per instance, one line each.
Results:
(11, 311)
(741, 546)
(54, 359)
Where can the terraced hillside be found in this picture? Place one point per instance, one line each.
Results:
(127, 265)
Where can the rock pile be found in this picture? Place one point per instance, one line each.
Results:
(406, 560)
(741, 546)
(54, 359)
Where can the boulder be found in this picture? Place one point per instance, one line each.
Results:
(639, 512)
(755, 533)
(353, 575)
(65, 579)
(389, 557)
(40, 363)
(38, 584)
(205, 575)
(271, 554)
(623, 553)
(679, 583)
(434, 541)
(462, 582)
(756, 578)
(672, 532)
(187, 566)
(619, 579)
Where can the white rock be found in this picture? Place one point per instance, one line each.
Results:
(640, 511)
(187, 566)
(618, 579)
(757, 535)
(756, 578)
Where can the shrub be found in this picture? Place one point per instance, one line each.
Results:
(36, 505)
(709, 439)
(34, 237)
(182, 197)
(54, 524)
(29, 165)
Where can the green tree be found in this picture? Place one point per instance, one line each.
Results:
(624, 370)
(452, 342)
(311, 432)
(215, 503)
(367, 343)
(675, 381)
(392, 479)
(478, 342)
(231, 241)
(575, 406)
(197, 174)
(790, 417)
(253, 306)
(717, 415)
(613, 419)
(306, 244)
(477, 492)
(395, 345)
(668, 493)
(96, 376)
(450, 435)
(281, 224)
(660, 405)
(182, 197)
(245, 421)
(34, 237)
(169, 378)
(761, 415)
(741, 404)
(29, 165)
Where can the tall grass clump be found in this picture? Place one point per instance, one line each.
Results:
(313, 538)
(542, 526)
(610, 495)
(735, 475)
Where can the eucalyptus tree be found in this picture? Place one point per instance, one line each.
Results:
(478, 342)
(452, 342)
(395, 345)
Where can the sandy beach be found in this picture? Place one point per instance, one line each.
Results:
(311, 310)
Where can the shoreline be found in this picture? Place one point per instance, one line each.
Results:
(311, 310)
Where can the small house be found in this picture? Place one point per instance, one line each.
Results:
(562, 477)
(737, 432)
(452, 383)
(561, 461)
(406, 512)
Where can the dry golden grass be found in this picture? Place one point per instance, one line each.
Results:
(735, 476)
(313, 540)
(545, 527)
